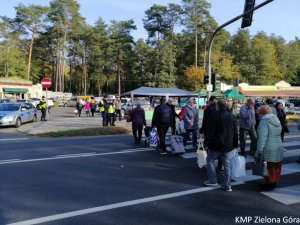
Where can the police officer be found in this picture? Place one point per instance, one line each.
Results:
(111, 113)
(43, 107)
(103, 108)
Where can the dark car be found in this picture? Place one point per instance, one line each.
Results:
(294, 101)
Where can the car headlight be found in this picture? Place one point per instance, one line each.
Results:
(8, 118)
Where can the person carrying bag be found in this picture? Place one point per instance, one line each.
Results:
(201, 155)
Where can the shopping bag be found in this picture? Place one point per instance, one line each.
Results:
(153, 142)
(201, 155)
(238, 165)
(177, 146)
(260, 169)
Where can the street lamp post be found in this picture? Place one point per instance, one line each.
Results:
(221, 27)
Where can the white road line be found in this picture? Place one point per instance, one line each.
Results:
(13, 139)
(9, 160)
(287, 169)
(77, 156)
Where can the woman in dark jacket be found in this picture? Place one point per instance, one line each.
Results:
(282, 118)
(138, 121)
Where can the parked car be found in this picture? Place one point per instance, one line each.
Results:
(294, 101)
(71, 102)
(129, 105)
(14, 114)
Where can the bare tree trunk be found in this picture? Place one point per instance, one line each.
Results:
(63, 64)
(84, 71)
(30, 54)
(57, 66)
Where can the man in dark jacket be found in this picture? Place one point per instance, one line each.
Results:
(207, 115)
(138, 121)
(162, 119)
(222, 139)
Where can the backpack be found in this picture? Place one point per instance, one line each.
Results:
(164, 116)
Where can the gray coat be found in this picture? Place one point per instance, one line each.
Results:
(268, 139)
(247, 117)
(191, 118)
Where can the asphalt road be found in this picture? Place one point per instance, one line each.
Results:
(109, 180)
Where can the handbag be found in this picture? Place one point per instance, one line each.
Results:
(201, 155)
(260, 168)
(285, 129)
(238, 165)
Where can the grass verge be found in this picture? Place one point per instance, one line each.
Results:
(87, 132)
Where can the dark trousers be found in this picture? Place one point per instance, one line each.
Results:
(93, 112)
(79, 112)
(137, 134)
(118, 112)
(43, 111)
(253, 138)
(111, 119)
(194, 136)
(282, 135)
(104, 118)
(162, 131)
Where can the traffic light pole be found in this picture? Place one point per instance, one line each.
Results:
(221, 27)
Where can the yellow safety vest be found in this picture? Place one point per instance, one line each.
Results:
(111, 109)
(102, 109)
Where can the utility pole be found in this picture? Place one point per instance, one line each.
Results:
(250, 11)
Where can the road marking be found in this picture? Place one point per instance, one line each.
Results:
(78, 156)
(13, 139)
(9, 160)
(287, 195)
(287, 169)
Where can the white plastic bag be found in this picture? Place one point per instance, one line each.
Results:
(238, 165)
(201, 155)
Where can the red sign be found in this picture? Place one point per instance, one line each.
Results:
(46, 82)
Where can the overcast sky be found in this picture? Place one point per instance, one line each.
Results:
(280, 17)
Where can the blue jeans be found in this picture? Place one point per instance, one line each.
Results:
(211, 170)
(187, 135)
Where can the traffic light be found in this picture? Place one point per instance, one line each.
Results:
(206, 79)
(213, 81)
(247, 19)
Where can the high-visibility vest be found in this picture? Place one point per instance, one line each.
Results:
(101, 109)
(43, 104)
(111, 109)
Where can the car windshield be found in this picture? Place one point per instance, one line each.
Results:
(9, 107)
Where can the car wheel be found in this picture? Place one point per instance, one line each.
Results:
(65, 105)
(18, 123)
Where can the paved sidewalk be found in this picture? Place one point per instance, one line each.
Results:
(66, 123)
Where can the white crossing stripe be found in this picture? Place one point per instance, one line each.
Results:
(12, 139)
(286, 195)
(287, 169)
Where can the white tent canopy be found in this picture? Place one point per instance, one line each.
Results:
(167, 92)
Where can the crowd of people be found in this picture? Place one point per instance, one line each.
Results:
(264, 122)
(222, 133)
(109, 109)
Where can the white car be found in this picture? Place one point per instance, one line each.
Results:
(14, 114)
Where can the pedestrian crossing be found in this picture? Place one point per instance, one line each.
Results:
(285, 195)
